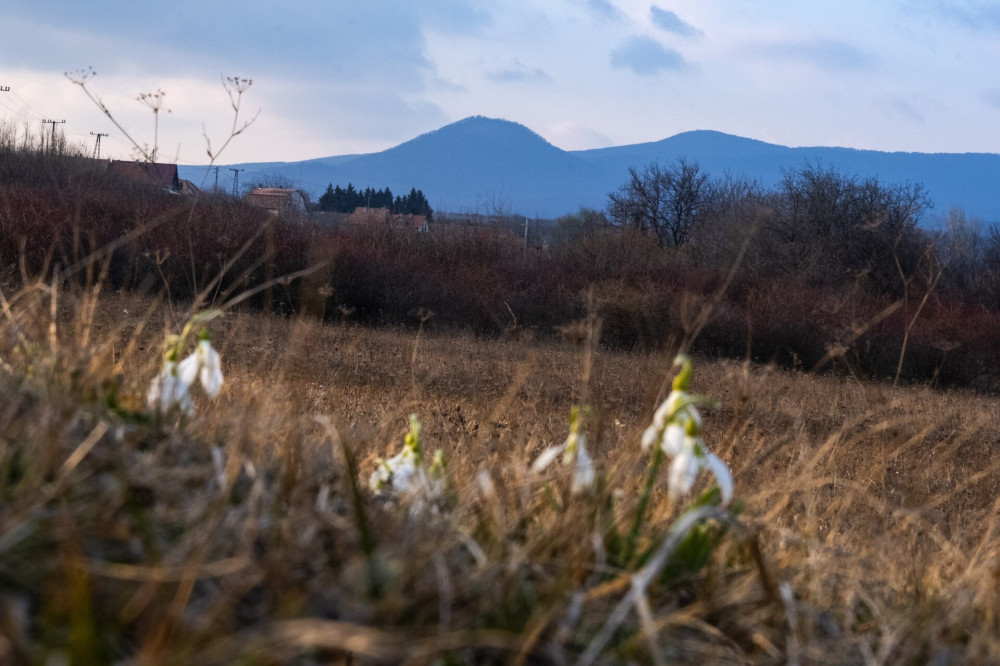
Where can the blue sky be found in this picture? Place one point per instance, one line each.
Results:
(333, 77)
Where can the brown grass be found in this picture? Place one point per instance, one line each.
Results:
(868, 533)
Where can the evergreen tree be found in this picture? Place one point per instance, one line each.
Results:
(341, 200)
(327, 201)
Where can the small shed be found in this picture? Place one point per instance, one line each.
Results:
(278, 200)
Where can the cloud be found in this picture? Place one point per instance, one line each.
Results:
(824, 53)
(373, 117)
(457, 16)
(671, 22)
(574, 136)
(646, 56)
(375, 41)
(518, 72)
(973, 14)
(991, 97)
(604, 9)
(900, 106)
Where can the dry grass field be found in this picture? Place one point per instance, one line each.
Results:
(867, 523)
(865, 527)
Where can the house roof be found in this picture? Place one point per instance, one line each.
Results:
(282, 192)
(187, 187)
(279, 199)
(156, 173)
(362, 215)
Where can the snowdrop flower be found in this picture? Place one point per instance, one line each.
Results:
(169, 389)
(671, 419)
(583, 473)
(399, 473)
(211, 368)
(690, 460)
(205, 365)
(575, 454)
(405, 473)
(676, 429)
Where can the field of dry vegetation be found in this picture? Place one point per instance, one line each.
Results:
(866, 526)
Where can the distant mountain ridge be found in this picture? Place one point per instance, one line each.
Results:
(480, 164)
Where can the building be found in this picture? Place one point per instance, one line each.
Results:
(152, 173)
(277, 200)
(367, 216)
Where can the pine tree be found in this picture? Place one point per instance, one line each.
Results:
(328, 200)
(341, 200)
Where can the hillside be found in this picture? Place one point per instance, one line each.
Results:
(477, 164)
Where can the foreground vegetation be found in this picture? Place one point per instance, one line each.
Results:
(865, 526)
(868, 530)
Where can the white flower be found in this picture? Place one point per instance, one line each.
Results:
(683, 472)
(205, 364)
(583, 472)
(399, 473)
(690, 459)
(676, 429)
(546, 458)
(406, 475)
(670, 422)
(575, 454)
(211, 368)
(169, 389)
(187, 369)
(722, 475)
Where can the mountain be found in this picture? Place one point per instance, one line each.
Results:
(483, 164)
(967, 180)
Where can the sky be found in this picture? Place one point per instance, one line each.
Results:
(331, 77)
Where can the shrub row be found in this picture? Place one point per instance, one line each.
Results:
(478, 278)
(65, 218)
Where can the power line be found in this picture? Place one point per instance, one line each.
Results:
(97, 145)
(52, 146)
(4, 105)
(13, 109)
(236, 178)
(20, 107)
(25, 104)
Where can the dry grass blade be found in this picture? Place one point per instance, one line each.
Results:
(290, 638)
(642, 578)
(81, 451)
(161, 574)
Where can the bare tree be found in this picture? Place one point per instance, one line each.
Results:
(665, 202)
(828, 227)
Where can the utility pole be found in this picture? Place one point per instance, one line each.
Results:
(97, 146)
(52, 145)
(216, 179)
(236, 178)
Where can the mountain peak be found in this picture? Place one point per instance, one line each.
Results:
(479, 128)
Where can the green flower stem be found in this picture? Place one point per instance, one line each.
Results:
(640, 512)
